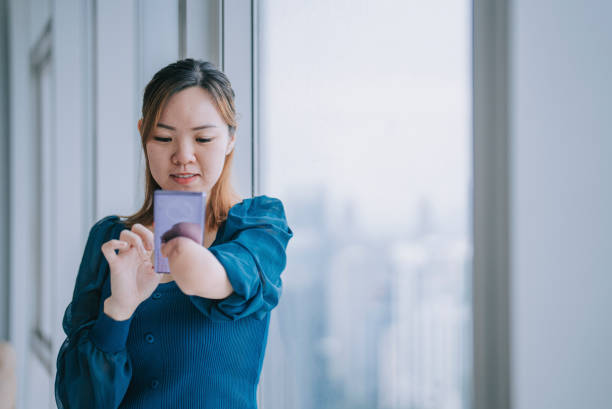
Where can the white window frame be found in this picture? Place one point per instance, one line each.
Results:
(238, 62)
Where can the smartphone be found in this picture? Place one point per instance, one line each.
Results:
(177, 213)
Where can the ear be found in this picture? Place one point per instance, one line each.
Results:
(230, 145)
(140, 126)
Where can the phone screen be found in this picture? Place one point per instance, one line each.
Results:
(177, 213)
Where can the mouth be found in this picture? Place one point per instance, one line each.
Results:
(184, 178)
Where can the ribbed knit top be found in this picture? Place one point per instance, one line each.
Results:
(177, 350)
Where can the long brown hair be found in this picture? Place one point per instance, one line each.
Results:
(165, 83)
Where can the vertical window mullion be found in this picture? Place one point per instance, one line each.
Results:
(237, 63)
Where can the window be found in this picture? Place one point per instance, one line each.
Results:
(365, 134)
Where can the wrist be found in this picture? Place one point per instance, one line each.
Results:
(115, 311)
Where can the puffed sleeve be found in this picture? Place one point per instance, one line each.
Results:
(93, 366)
(252, 251)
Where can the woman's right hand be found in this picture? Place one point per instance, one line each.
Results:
(133, 277)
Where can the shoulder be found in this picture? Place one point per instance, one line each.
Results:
(106, 222)
(258, 205)
(257, 212)
(102, 226)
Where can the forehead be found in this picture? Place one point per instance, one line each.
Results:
(189, 108)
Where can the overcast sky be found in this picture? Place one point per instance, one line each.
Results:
(371, 99)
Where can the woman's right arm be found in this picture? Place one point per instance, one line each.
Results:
(93, 366)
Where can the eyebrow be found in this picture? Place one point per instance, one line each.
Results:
(193, 129)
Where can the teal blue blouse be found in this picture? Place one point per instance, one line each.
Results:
(177, 350)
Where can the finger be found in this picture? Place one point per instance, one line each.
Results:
(151, 273)
(168, 248)
(108, 249)
(145, 234)
(175, 247)
(134, 240)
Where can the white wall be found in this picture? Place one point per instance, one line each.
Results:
(561, 210)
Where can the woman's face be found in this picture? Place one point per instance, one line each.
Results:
(191, 137)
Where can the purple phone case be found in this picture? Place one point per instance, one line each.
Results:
(177, 213)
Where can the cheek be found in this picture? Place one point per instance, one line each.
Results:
(155, 157)
(220, 159)
(212, 164)
(211, 158)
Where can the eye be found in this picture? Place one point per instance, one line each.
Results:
(202, 140)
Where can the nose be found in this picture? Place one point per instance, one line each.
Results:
(184, 152)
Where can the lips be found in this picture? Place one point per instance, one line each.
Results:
(185, 180)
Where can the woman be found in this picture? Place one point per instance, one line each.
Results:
(194, 338)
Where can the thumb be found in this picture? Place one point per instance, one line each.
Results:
(167, 247)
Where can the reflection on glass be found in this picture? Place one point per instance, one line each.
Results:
(365, 134)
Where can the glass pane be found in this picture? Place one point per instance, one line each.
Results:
(365, 129)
